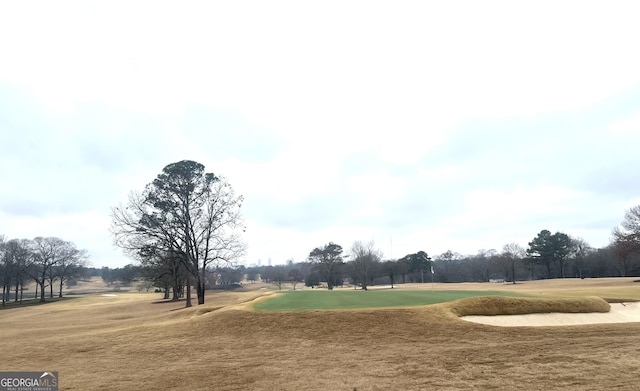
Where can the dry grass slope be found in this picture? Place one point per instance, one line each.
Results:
(127, 342)
(518, 306)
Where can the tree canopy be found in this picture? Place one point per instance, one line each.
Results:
(328, 261)
(418, 262)
(626, 240)
(550, 250)
(364, 257)
(186, 212)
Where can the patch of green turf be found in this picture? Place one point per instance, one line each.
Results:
(347, 299)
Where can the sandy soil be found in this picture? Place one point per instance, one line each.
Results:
(619, 313)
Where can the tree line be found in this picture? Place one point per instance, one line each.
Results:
(184, 230)
(48, 261)
(548, 255)
(155, 277)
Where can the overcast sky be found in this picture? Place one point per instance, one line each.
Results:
(420, 125)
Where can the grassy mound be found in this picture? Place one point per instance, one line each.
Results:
(496, 305)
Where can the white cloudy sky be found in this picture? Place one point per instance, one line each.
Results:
(430, 126)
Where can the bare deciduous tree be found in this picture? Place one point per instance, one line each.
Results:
(512, 254)
(46, 253)
(626, 240)
(364, 257)
(580, 249)
(70, 265)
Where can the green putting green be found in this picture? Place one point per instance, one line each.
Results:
(348, 299)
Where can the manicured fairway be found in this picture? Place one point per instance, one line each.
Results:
(346, 299)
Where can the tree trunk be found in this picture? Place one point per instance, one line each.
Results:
(176, 291)
(201, 292)
(188, 288)
(548, 269)
(61, 283)
(42, 292)
(51, 288)
(175, 294)
(200, 287)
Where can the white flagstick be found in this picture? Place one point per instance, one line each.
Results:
(431, 278)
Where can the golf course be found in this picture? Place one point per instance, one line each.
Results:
(411, 337)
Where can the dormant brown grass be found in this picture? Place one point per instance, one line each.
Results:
(132, 341)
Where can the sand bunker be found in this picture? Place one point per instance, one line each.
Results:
(619, 313)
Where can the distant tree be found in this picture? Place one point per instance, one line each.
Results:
(549, 250)
(51, 277)
(165, 268)
(626, 241)
(279, 275)
(295, 276)
(267, 274)
(47, 253)
(313, 279)
(629, 228)
(163, 282)
(229, 275)
(480, 265)
(511, 255)
(70, 266)
(350, 272)
(188, 211)
(128, 273)
(450, 267)
(541, 250)
(144, 285)
(402, 269)
(580, 249)
(6, 269)
(390, 269)
(364, 258)
(602, 262)
(252, 274)
(562, 250)
(328, 261)
(107, 275)
(626, 256)
(419, 262)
